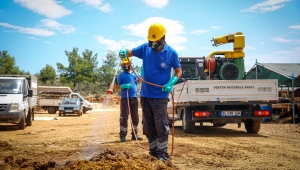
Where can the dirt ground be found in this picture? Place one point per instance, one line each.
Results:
(92, 142)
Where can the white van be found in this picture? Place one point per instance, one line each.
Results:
(18, 99)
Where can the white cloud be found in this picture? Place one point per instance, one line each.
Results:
(32, 31)
(199, 31)
(114, 45)
(279, 39)
(54, 25)
(156, 3)
(98, 4)
(173, 36)
(48, 8)
(297, 27)
(215, 27)
(266, 6)
(106, 8)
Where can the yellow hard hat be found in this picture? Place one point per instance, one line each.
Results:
(156, 31)
(126, 60)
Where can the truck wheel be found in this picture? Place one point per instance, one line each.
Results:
(252, 126)
(84, 110)
(29, 119)
(187, 126)
(21, 124)
(170, 122)
(51, 110)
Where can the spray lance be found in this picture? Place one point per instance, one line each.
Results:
(123, 56)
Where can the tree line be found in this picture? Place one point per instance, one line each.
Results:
(82, 74)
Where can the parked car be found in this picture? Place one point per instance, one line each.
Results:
(70, 106)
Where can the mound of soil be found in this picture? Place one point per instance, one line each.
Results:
(108, 159)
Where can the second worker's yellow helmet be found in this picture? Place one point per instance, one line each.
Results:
(156, 31)
(126, 60)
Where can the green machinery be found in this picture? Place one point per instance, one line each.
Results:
(224, 64)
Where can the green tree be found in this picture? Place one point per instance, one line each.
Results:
(107, 71)
(47, 75)
(7, 65)
(81, 70)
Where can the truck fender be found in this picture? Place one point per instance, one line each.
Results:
(25, 110)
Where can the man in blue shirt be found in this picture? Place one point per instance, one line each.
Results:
(129, 102)
(158, 59)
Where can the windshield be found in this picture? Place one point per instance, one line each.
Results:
(10, 86)
(70, 101)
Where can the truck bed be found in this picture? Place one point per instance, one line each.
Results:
(49, 102)
(223, 91)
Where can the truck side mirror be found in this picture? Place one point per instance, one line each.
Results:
(30, 92)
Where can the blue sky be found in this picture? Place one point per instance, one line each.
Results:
(38, 32)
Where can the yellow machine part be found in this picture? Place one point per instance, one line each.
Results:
(238, 40)
(227, 54)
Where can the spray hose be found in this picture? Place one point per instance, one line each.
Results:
(173, 104)
(173, 112)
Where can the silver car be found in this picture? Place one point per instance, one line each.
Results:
(70, 106)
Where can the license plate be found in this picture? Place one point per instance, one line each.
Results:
(69, 110)
(231, 113)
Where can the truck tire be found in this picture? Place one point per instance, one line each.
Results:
(21, 124)
(170, 122)
(187, 126)
(84, 110)
(252, 126)
(29, 119)
(51, 110)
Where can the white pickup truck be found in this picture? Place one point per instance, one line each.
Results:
(51, 96)
(18, 99)
(220, 101)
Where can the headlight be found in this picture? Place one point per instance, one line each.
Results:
(61, 108)
(76, 108)
(14, 106)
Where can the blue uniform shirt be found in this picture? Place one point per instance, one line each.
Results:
(157, 68)
(127, 78)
